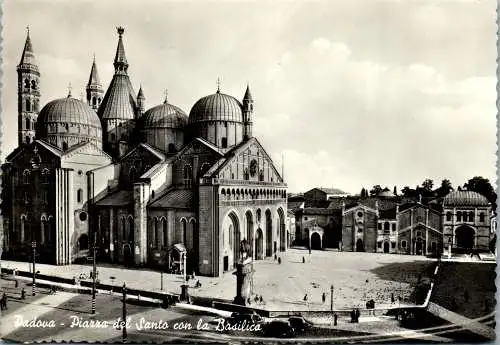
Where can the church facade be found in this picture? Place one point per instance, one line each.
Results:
(152, 187)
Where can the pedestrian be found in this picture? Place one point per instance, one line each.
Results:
(323, 297)
(353, 316)
(392, 298)
(1, 304)
(357, 315)
(261, 300)
(279, 261)
(303, 260)
(256, 299)
(17, 283)
(275, 257)
(335, 316)
(248, 301)
(23, 293)
(305, 298)
(4, 301)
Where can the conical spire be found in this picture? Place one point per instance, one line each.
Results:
(28, 57)
(248, 95)
(94, 75)
(141, 93)
(120, 63)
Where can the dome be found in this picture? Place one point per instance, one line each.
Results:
(164, 116)
(68, 110)
(67, 122)
(465, 198)
(216, 107)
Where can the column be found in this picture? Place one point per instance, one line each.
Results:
(111, 235)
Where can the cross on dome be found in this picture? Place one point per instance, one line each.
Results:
(69, 90)
(166, 96)
(218, 85)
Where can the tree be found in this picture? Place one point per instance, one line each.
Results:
(427, 185)
(482, 186)
(375, 190)
(445, 188)
(364, 193)
(395, 191)
(408, 192)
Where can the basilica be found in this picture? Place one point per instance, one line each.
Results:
(152, 187)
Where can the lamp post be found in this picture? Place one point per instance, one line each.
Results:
(161, 277)
(124, 327)
(331, 297)
(184, 258)
(94, 274)
(33, 286)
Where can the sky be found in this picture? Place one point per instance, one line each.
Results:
(350, 93)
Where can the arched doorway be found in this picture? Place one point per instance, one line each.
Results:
(127, 255)
(359, 245)
(230, 241)
(281, 230)
(386, 247)
(419, 246)
(259, 244)
(465, 237)
(315, 241)
(269, 234)
(249, 234)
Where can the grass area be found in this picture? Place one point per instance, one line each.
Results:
(466, 288)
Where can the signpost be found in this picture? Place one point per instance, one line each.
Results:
(33, 286)
(94, 274)
(124, 327)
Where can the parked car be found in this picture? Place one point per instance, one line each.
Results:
(250, 318)
(299, 324)
(278, 329)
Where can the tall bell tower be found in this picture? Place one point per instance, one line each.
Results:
(28, 94)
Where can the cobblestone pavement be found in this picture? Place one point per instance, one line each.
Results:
(356, 278)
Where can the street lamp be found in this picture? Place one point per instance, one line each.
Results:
(94, 273)
(124, 327)
(331, 297)
(33, 286)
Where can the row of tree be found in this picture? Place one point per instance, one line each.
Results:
(477, 184)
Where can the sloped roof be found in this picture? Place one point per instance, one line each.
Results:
(119, 100)
(176, 198)
(149, 148)
(119, 198)
(328, 190)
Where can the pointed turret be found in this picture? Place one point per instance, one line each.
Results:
(247, 114)
(141, 101)
(94, 88)
(120, 63)
(28, 93)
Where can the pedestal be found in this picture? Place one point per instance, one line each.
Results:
(184, 292)
(244, 272)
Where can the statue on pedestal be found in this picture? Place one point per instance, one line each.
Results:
(244, 272)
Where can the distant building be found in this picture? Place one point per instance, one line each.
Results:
(395, 224)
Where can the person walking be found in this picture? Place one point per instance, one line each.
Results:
(279, 261)
(305, 298)
(357, 315)
(4, 301)
(275, 257)
(261, 300)
(23, 293)
(256, 299)
(323, 297)
(392, 298)
(303, 260)
(335, 316)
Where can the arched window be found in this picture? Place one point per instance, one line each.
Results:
(131, 229)
(79, 195)
(448, 216)
(28, 124)
(230, 236)
(26, 84)
(28, 105)
(246, 175)
(35, 105)
(33, 85)
(165, 232)
(459, 216)
(152, 194)
(132, 174)
(184, 231)
(471, 216)
(188, 176)
(171, 148)
(386, 226)
(64, 146)
(94, 101)
(124, 229)
(26, 176)
(155, 232)
(261, 175)
(481, 217)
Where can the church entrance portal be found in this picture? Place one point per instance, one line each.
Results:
(127, 255)
(259, 245)
(419, 247)
(226, 263)
(386, 247)
(359, 245)
(315, 241)
(465, 237)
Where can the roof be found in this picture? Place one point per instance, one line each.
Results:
(149, 148)
(328, 190)
(179, 247)
(119, 198)
(216, 107)
(67, 110)
(120, 57)
(174, 198)
(28, 59)
(465, 198)
(319, 211)
(119, 100)
(141, 93)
